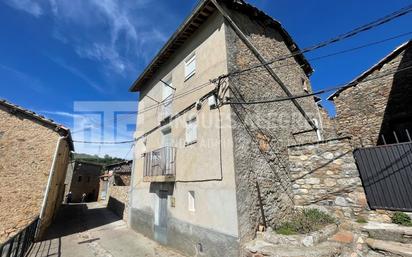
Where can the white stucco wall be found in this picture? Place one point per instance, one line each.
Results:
(215, 200)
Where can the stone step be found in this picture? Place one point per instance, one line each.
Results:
(389, 232)
(262, 248)
(307, 240)
(390, 247)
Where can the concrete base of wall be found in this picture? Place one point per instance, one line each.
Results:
(187, 238)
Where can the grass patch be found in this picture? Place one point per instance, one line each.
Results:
(305, 221)
(401, 218)
(361, 220)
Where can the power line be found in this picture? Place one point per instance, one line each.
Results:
(342, 86)
(352, 33)
(271, 101)
(195, 89)
(338, 38)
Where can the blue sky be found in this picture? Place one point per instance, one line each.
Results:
(57, 52)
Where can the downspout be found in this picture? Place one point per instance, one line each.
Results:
(49, 180)
(132, 180)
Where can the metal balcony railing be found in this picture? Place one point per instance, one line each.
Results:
(19, 244)
(160, 162)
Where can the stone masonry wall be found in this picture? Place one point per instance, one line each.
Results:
(378, 107)
(325, 174)
(119, 201)
(329, 126)
(262, 132)
(26, 153)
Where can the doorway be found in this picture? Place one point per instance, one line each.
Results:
(160, 224)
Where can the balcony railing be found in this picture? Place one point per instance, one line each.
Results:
(19, 244)
(160, 165)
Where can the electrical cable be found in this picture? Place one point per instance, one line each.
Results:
(342, 86)
(352, 33)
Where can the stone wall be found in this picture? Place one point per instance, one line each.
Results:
(122, 173)
(328, 126)
(26, 153)
(119, 201)
(262, 132)
(378, 107)
(84, 179)
(325, 174)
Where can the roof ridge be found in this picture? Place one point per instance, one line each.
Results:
(358, 79)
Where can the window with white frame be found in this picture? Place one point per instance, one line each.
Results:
(190, 65)
(191, 131)
(191, 200)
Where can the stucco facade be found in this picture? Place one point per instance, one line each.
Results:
(221, 169)
(32, 157)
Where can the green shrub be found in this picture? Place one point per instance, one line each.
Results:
(401, 219)
(361, 219)
(305, 221)
(286, 228)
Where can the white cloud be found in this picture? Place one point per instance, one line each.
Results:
(29, 6)
(25, 79)
(111, 32)
(77, 73)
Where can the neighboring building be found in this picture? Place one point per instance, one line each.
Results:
(205, 174)
(116, 184)
(378, 111)
(121, 171)
(327, 127)
(83, 178)
(34, 154)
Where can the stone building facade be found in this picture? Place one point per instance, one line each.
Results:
(119, 201)
(324, 174)
(34, 153)
(83, 178)
(234, 176)
(121, 172)
(116, 183)
(377, 104)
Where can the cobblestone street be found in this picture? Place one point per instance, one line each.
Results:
(92, 230)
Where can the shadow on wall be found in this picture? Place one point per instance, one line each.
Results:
(116, 206)
(397, 118)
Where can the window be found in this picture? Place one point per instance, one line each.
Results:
(167, 98)
(79, 179)
(88, 179)
(305, 85)
(191, 131)
(191, 200)
(167, 136)
(190, 66)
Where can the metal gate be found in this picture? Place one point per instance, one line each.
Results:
(386, 173)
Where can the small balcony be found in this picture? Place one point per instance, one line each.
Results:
(160, 165)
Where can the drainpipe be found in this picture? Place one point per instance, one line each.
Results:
(49, 180)
(132, 180)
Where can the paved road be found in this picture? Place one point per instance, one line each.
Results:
(92, 230)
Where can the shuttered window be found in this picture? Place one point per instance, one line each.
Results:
(191, 131)
(190, 66)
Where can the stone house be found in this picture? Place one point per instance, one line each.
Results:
(122, 172)
(116, 183)
(378, 111)
(83, 177)
(34, 153)
(207, 171)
